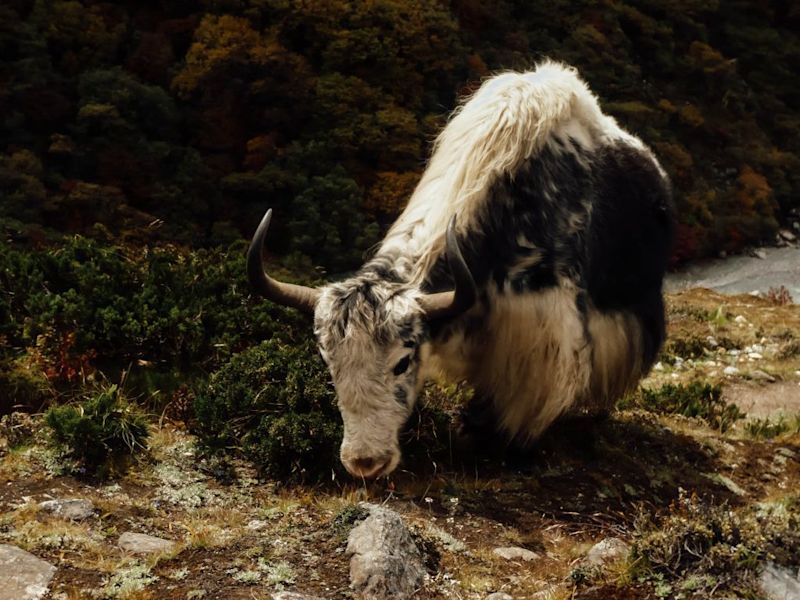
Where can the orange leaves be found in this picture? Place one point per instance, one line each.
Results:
(690, 115)
(703, 55)
(390, 193)
(221, 42)
(754, 191)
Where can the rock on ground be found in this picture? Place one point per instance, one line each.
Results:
(293, 596)
(779, 583)
(74, 509)
(606, 551)
(141, 543)
(22, 575)
(515, 553)
(386, 562)
(499, 596)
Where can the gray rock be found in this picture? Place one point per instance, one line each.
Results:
(256, 524)
(74, 509)
(787, 235)
(141, 543)
(779, 583)
(515, 553)
(22, 575)
(293, 596)
(607, 551)
(386, 562)
(499, 596)
(760, 375)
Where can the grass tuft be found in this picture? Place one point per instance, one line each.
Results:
(102, 431)
(698, 399)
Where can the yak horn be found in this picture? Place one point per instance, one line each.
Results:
(297, 296)
(450, 304)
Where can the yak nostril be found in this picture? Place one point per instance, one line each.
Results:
(364, 464)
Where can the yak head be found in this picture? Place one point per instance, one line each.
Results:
(373, 334)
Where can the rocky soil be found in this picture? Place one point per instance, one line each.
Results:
(639, 505)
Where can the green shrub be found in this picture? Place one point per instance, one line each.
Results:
(172, 309)
(274, 403)
(772, 428)
(698, 399)
(101, 432)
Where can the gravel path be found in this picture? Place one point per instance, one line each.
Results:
(742, 274)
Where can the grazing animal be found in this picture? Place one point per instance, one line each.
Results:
(528, 262)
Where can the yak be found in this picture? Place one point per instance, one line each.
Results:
(528, 262)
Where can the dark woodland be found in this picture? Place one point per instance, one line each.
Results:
(180, 122)
(140, 144)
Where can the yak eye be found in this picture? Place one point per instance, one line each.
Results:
(402, 366)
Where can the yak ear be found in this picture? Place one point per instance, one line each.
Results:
(446, 305)
(297, 296)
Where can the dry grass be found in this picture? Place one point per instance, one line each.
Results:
(563, 500)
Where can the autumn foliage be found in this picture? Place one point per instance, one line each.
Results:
(182, 122)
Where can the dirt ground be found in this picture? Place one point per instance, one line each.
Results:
(239, 537)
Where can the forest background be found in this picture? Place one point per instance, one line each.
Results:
(140, 143)
(182, 121)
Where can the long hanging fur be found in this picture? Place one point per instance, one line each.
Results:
(565, 218)
(502, 125)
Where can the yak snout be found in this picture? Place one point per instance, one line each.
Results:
(368, 465)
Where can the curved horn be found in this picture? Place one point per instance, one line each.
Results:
(297, 296)
(450, 304)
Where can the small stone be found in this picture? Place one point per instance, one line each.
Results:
(727, 482)
(755, 356)
(499, 596)
(607, 551)
(658, 366)
(293, 596)
(23, 576)
(141, 543)
(730, 370)
(779, 583)
(515, 553)
(759, 253)
(787, 235)
(386, 562)
(740, 319)
(760, 375)
(256, 525)
(74, 509)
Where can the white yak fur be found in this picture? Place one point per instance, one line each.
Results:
(531, 357)
(502, 125)
(530, 353)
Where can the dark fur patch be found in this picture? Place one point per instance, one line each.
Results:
(602, 220)
(401, 395)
